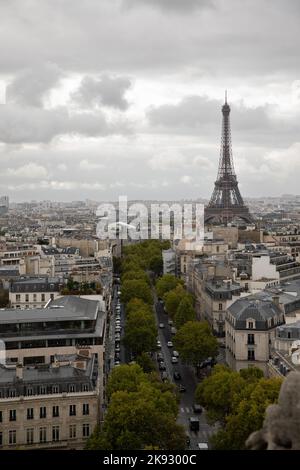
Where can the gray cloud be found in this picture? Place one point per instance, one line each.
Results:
(181, 6)
(201, 116)
(19, 125)
(105, 90)
(30, 86)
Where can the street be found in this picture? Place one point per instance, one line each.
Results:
(188, 379)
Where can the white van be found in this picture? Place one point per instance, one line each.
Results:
(202, 446)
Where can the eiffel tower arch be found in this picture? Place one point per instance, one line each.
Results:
(226, 202)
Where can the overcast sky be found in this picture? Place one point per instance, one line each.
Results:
(101, 98)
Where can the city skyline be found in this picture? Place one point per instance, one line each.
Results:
(94, 104)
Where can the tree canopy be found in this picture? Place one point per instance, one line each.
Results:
(185, 312)
(237, 401)
(166, 283)
(141, 414)
(195, 342)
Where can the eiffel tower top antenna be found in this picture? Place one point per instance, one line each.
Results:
(225, 96)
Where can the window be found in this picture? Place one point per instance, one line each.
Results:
(12, 415)
(251, 355)
(43, 297)
(29, 436)
(1, 439)
(34, 297)
(29, 413)
(43, 434)
(55, 389)
(18, 298)
(52, 296)
(72, 388)
(85, 388)
(220, 306)
(43, 412)
(12, 393)
(72, 411)
(12, 437)
(55, 411)
(85, 430)
(85, 409)
(55, 433)
(27, 298)
(72, 431)
(1, 417)
(251, 339)
(29, 391)
(43, 390)
(250, 325)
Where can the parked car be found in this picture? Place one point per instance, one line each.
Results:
(182, 388)
(194, 423)
(197, 408)
(161, 325)
(177, 375)
(160, 357)
(117, 337)
(117, 363)
(170, 344)
(174, 360)
(117, 349)
(170, 322)
(173, 330)
(162, 366)
(158, 344)
(117, 356)
(176, 353)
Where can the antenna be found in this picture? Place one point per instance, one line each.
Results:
(225, 96)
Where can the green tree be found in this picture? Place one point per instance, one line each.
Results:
(156, 264)
(185, 312)
(126, 377)
(147, 417)
(217, 392)
(248, 415)
(166, 283)
(136, 274)
(173, 298)
(140, 332)
(195, 342)
(136, 289)
(146, 362)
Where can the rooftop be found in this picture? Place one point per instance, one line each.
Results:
(69, 307)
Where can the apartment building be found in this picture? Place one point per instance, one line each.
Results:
(33, 292)
(250, 326)
(49, 406)
(68, 323)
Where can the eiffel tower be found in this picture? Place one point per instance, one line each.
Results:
(226, 202)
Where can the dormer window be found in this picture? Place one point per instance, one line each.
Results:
(250, 323)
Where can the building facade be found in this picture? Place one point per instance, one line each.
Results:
(250, 332)
(33, 292)
(49, 407)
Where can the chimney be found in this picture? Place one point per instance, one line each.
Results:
(19, 371)
(275, 299)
